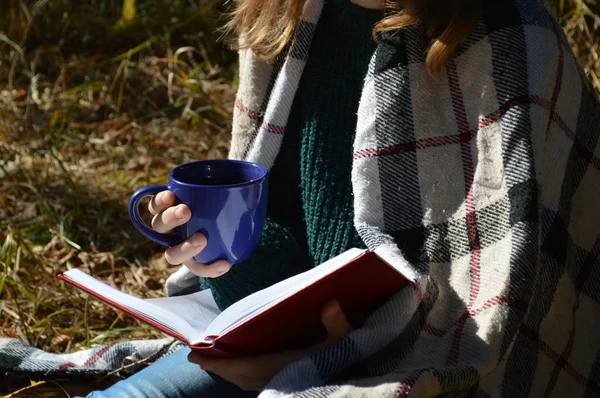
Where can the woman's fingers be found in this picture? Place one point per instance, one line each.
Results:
(213, 270)
(166, 218)
(171, 218)
(183, 253)
(335, 322)
(189, 248)
(161, 202)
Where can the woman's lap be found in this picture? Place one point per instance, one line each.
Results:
(173, 377)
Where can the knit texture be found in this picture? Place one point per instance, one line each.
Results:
(310, 206)
(320, 133)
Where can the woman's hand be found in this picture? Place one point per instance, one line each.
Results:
(166, 218)
(254, 373)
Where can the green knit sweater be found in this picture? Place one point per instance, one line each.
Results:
(310, 211)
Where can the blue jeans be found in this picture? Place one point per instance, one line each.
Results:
(173, 377)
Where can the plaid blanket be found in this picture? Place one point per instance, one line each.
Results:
(125, 358)
(482, 186)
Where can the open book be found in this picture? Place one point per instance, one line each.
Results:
(284, 315)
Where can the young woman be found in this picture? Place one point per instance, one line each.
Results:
(459, 141)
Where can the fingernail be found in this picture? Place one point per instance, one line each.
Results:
(197, 241)
(223, 268)
(179, 212)
(333, 308)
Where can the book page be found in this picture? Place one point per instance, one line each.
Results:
(146, 308)
(198, 309)
(246, 308)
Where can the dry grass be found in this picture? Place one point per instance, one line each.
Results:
(88, 113)
(581, 23)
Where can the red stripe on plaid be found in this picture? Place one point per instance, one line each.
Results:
(469, 173)
(566, 354)
(97, 356)
(247, 111)
(433, 330)
(267, 126)
(66, 366)
(545, 348)
(488, 304)
(569, 133)
(458, 333)
(493, 117)
(272, 128)
(499, 301)
(408, 383)
(417, 288)
(559, 74)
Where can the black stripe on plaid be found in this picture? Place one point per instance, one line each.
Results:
(416, 38)
(415, 245)
(507, 38)
(301, 40)
(297, 48)
(523, 254)
(407, 384)
(509, 60)
(588, 127)
(328, 362)
(499, 15)
(517, 383)
(568, 349)
(594, 379)
(555, 240)
(391, 355)
(448, 241)
(534, 13)
(478, 33)
(391, 52)
(399, 180)
(319, 392)
(456, 378)
(12, 355)
(591, 285)
(523, 360)
(277, 65)
(372, 236)
(576, 259)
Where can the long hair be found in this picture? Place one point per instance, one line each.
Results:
(266, 26)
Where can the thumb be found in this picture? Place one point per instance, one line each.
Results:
(335, 321)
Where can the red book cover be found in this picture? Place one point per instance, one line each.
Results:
(362, 285)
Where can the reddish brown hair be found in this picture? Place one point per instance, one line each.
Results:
(266, 26)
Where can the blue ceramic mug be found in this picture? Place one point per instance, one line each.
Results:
(228, 201)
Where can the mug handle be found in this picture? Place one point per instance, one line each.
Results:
(136, 219)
